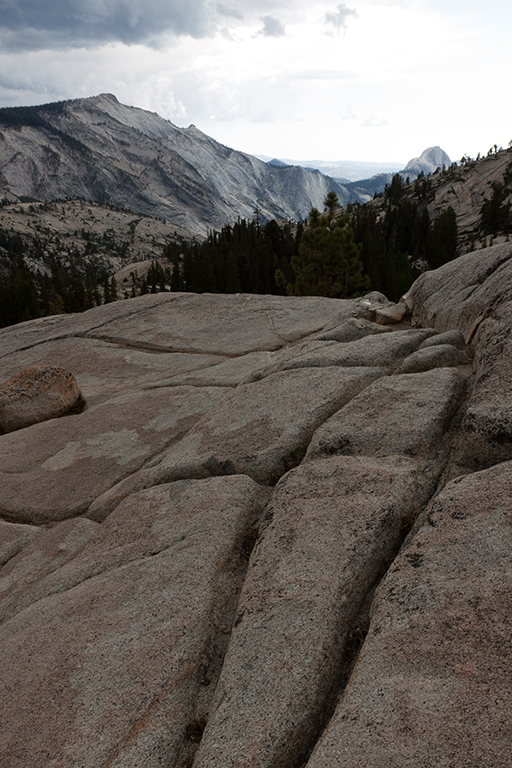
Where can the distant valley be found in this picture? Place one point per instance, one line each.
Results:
(345, 171)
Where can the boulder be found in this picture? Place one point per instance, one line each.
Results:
(390, 315)
(370, 304)
(433, 683)
(37, 394)
(362, 308)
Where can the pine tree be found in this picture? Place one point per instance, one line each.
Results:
(176, 276)
(233, 284)
(328, 262)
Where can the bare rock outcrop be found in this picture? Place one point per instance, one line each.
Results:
(257, 430)
(14, 537)
(434, 680)
(434, 356)
(278, 536)
(330, 530)
(474, 295)
(405, 415)
(73, 461)
(115, 655)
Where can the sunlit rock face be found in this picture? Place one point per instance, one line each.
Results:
(277, 534)
(428, 162)
(98, 149)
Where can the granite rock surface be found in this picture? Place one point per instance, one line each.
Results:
(277, 536)
(36, 394)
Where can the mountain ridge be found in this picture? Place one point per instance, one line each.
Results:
(101, 150)
(349, 173)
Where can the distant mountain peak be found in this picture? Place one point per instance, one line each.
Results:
(276, 163)
(102, 98)
(429, 160)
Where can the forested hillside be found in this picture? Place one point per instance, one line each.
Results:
(65, 266)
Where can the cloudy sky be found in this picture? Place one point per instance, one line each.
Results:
(375, 80)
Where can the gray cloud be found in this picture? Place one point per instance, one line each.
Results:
(272, 27)
(228, 10)
(338, 19)
(38, 24)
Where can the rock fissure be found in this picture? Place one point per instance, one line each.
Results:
(355, 639)
(35, 344)
(152, 348)
(410, 525)
(273, 328)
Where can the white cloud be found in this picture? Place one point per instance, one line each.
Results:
(337, 20)
(347, 113)
(410, 68)
(374, 121)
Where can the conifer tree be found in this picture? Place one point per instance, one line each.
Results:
(328, 262)
(176, 276)
(233, 284)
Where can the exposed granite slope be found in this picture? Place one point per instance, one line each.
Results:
(98, 149)
(277, 536)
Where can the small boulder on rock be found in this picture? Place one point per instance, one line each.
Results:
(37, 394)
(394, 313)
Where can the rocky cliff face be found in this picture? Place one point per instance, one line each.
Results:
(103, 151)
(279, 534)
(479, 192)
(429, 161)
(467, 188)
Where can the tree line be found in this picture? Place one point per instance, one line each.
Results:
(337, 254)
(369, 247)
